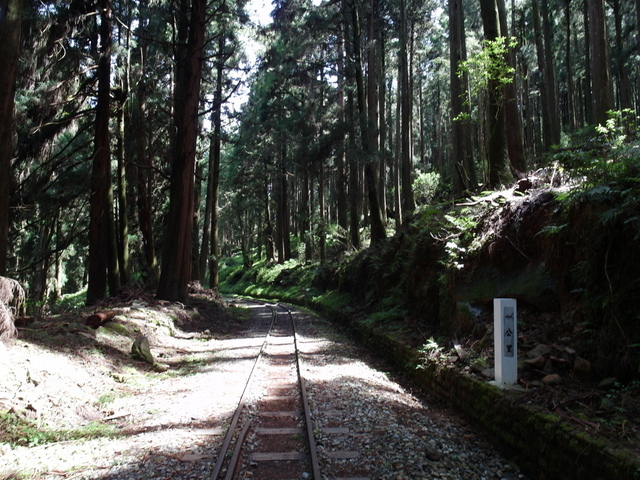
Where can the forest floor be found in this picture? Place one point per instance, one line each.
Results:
(66, 387)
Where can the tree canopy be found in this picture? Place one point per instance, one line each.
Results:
(143, 140)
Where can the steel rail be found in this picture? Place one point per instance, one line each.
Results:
(311, 441)
(241, 404)
(233, 463)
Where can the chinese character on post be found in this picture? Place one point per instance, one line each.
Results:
(505, 337)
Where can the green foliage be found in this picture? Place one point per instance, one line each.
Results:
(107, 398)
(71, 302)
(394, 315)
(431, 350)
(609, 154)
(332, 301)
(489, 63)
(600, 219)
(15, 430)
(238, 313)
(425, 187)
(613, 181)
(552, 229)
(291, 281)
(458, 227)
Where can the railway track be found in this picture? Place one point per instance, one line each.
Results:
(271, 433)
(358, 425)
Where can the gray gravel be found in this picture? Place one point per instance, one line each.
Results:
(397, 434)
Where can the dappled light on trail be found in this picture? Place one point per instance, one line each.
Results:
(171, 424)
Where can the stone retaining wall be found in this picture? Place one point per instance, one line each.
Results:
(543, 446)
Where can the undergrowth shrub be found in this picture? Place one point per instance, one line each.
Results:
(16, 430)
(425, 187)
(601, 221)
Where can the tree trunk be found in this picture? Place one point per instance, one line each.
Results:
(268, 229)
(378, 231)
(354, 177)
(382, 109)
(123, 204)
(305, 211)
(214, 169)
(195, 237)
(144, 189)
(515, 140)
(176, 259)
(277, 237)
(341, 158)
(45, 234)
(10, 32)
(547, 120)
(100, 255)
(624, 84)
(397, 203)
(113, 266)
(496, 142)
(637, 89)
(322, 230)
(588, 90)
(550, 74)
(286, 209)
(406, 162)
(283, 244)
(571, 109)
(144, 179)
(464, 171)
(372, 78)
(121, 96)
(59, 266)
(600, 64)
(350, 121)
(422, 138)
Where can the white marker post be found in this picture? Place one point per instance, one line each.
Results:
(505, 335)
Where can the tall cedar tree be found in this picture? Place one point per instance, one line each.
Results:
(10, 23)
(496, 120)
(121, 93)
(378, 232)
(176, 258)
(571, 114)
(341, 173)
(600, 62)
(407, 202)
(143, 158)
(515, 140)
(102, 252)
(211, 216)
(550, 125)
(464, 171)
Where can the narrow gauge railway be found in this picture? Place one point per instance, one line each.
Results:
(271, 434)
(365, 425)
